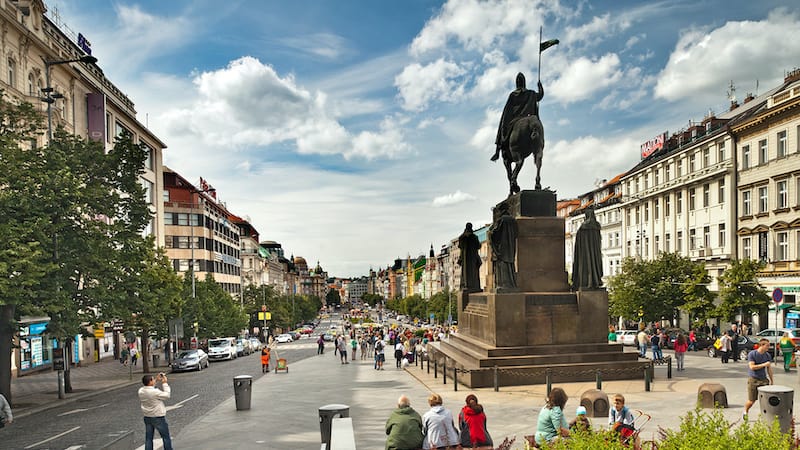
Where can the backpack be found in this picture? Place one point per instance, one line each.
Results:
(379, 345)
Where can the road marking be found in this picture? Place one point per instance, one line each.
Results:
(74, 447)
(180, 403)
(50, 439)
(157, 444)
(79, 410)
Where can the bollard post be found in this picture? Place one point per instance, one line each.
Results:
(455, 379)
(669, 367)
(435, 368)
(599, 381)
(496, 386)
(428, 359)
(647, 378)
(444, 371)
(548, 380)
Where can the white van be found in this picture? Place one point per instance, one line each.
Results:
(222, 348)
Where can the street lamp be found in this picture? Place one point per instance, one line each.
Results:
(49, 96)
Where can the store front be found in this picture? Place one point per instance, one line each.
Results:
(35, 346)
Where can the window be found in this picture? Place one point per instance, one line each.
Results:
(668, 172)
(655, 177)
(721, 191)
(762, 152)
(706, 195)
(165, 195)
(667, 243)
(119, 129)
(638, 215)
(763, 199)
(658, 245)
(707, 236)
(183, 219)
(194, 220)
(782, 149)
(168, 218)
(12, 66)
(678, 202)
(747, 248)
(148, 190)
(720, 152)
(746, 157)
(782, 250)
(783, 193)
(666, 205)
(692, 239)
(746, 208)
(706, 157)
(679, 167)
(656, 209)
(721, 235)
(32, 85)
(691, 199)
(646, 181)
(647, 212)
(148, 157)
(691, 162)
(679, 241)
(616, 239)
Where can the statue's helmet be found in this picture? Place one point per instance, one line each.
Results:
(520, 81)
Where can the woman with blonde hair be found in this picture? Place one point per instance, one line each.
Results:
(552, 424)
(438, 427)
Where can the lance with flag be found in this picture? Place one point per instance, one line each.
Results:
(544, 45)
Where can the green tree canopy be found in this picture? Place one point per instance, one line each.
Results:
(740, 290)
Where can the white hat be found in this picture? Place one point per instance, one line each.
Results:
(581, 410)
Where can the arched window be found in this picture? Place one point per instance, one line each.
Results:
(11, 71)
(31, 84)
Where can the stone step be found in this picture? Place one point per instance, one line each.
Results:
(483, 350)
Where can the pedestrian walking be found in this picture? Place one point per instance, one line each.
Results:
(320, 345)
(265, 359)
(680, 348)
(5, 412)
(343, 350)
(734, 335)
(642, 340)
(725, 347)
(692, 341)
(152, 400)
(759, 372)
(123, 357)
(379, 354)
(398, 353)
(655, 343)
(134, 355)
(353, 347)
(787, 348)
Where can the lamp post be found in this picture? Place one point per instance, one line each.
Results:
(49, 96)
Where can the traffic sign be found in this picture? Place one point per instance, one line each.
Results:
(777, 296)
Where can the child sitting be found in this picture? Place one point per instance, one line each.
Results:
(581, 422)
(621, 420)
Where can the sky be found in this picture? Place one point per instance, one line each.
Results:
(357, 132)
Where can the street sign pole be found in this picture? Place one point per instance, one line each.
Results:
(777, 297)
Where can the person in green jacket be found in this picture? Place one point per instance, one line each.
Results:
(787, 348)
(404, 427)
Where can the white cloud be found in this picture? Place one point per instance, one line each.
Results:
(325, 45)
(452, 199)
(418, 85)
(736, 51)
(584, 77)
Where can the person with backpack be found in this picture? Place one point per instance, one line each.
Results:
(621, 420)
(379, 355)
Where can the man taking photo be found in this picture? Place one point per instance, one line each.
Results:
(154, 411)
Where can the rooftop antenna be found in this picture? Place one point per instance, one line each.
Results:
(732, 92)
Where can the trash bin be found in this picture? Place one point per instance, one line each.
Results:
(156, 360)
(777, 402)
(242, 390)
(326, 416)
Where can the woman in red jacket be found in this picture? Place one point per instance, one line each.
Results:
(472, 422)
(680, 346)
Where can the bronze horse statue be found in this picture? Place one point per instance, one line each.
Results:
(526, 138)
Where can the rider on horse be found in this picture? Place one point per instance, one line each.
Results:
(522, 102)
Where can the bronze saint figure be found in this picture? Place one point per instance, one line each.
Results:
(520, 132)
(503, 237)
(587, 264)
(470, 260)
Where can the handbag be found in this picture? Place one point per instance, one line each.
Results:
(718, 343)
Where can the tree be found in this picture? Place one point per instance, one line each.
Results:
(740, 292)
(333, 298)
(217, 314)
(371, 299)
(657, 289)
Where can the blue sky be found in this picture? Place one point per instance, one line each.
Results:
(356, 132)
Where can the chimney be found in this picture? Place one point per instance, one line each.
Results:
(734, 105)
(749, 97)
(793, 75)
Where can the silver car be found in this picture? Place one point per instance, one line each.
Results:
(190, 360)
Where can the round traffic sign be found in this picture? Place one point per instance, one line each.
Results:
(777, 295)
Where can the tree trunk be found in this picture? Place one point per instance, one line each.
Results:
(7, 325)
(67, 362)
(145, 350)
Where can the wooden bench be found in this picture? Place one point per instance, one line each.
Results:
(596, 403)
(712, 395)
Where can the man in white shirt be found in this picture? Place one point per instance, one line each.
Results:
(5, 412)
(154, 411)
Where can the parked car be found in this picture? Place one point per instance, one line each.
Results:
(284, 338)
(703, 340)
(195, 359)
(774, 336)
(746, 344)
(627, 337)
(222, 348)
(328, 337)
(256, 344)
(243, 347)
(294, 334)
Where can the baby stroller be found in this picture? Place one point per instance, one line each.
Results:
(629, 434)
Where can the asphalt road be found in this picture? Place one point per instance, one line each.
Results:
(95, 421)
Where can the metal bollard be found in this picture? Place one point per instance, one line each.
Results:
(647, 379)
(455, 379)
(435, 369)
(496, 386)
(428, 359)
(548, 380)
(669, 367)
(444, 371)
(599, 380)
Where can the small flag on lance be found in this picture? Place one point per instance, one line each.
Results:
(544, 45)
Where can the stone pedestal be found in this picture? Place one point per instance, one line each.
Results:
(541, 323)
